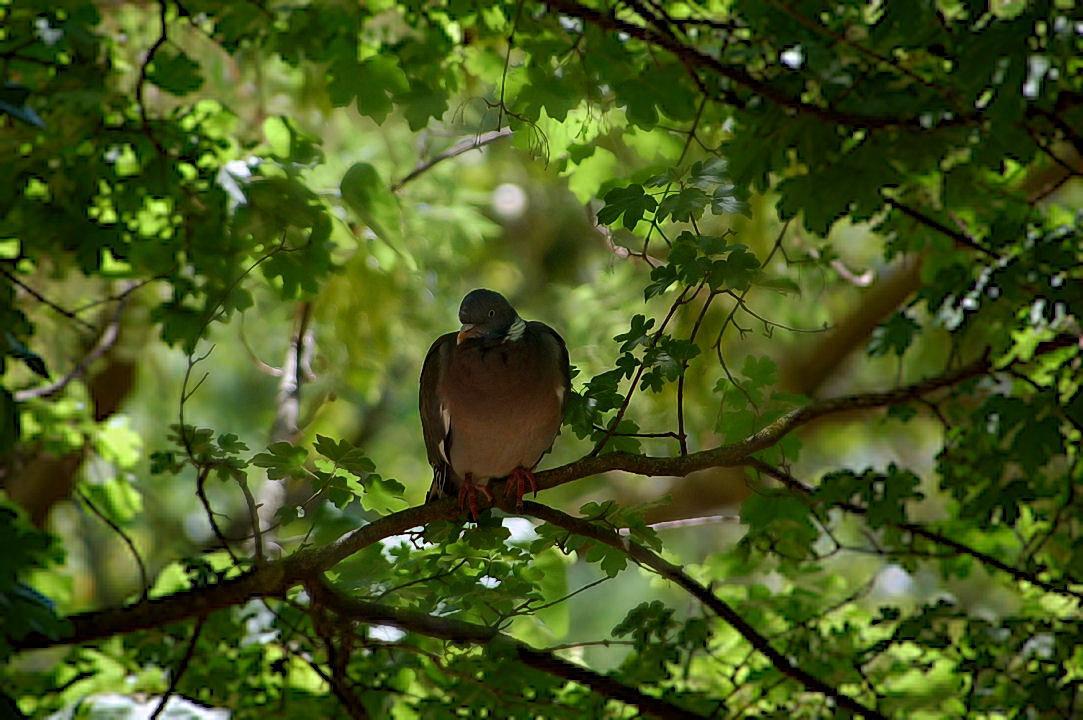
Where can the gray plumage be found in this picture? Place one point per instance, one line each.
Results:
(492, 396)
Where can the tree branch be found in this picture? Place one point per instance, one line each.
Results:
(672, 572)
(737, 453)
(144, 583)
(45, 301)
(921, 531)
(106, 340)
(693, 57)
(182, 667)
(274, 578)
(141, 82)
(959, 238)
(459, 148)
(271, 580)
(458, 631)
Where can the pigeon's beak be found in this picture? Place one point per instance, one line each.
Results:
(467, 331)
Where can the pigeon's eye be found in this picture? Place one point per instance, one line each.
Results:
(492, 313)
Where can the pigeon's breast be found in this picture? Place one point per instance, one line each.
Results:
(504, 404)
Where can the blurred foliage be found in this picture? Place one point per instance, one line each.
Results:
(229, 232)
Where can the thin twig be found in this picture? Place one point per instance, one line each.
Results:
(201, 493)
(182, 667)
(946, 93)
(120, 296)
(670, 571)
(717, 344)
(694, 57)
(106, 340)
(459, 148)
(682, 437)
(687, 522)
(46, 301)
(921, 531)
(959, 238)
(141, 82)
(144, 582)
(426, 579)
(463, 632)
(253, 516)
(643, 366)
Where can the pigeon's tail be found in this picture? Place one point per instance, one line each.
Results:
(443, 483)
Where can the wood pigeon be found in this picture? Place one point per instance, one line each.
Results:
(492, 398)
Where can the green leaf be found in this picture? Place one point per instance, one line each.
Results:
(779, 523)
(29, 357)
(283, 460)
(760, 370)
(119, 443)
(736, 271)
(373, 83)
(1038, 441)
(661, 278)
(683, 206)
(544, 89)
(705, 174)
(421, 103)
(646, 623)
(611, 560)
(894, 335)
(116, 498)
(10, 424)
(345, 455)
(13, 99)
(637, 333)
(292, 145)
(630, 202)
(231, 444)
(368, 195)
(175, 72)
(724, 201)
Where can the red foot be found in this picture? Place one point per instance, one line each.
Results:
(468, 495)
(517, 481)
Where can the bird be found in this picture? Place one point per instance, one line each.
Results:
(492, 397)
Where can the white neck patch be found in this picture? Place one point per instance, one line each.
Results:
(515, 332)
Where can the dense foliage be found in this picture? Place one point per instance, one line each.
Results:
(817, 261)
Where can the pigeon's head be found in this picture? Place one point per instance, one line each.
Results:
(486, 316)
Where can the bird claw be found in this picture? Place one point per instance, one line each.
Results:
(517, 482)
(468, 495)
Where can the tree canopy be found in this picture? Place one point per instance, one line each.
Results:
(818, 265)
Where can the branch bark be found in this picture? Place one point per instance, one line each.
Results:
(737, 453)
(274, 578)
(693, 57)
(933, 536)
(458, 631)
(106, 341)
(459, 148)
(668, 570)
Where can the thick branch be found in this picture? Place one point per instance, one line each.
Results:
(274, 578)
(270, 580)
(805, 370)
(921, 531)
(459, 631)
(273, 493)
(737, 453)
(674, 573)
(693, 57)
